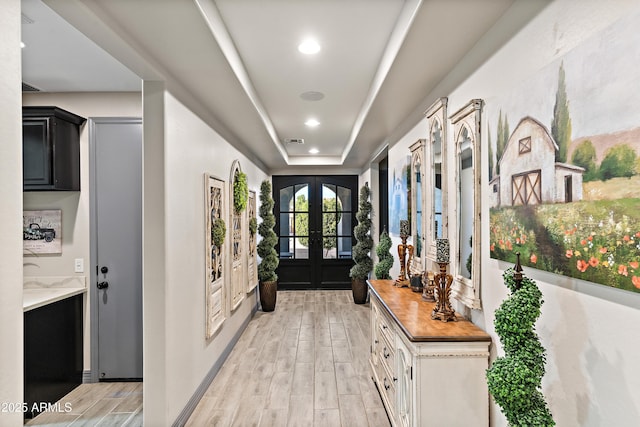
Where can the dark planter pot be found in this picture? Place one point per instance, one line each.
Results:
(268, 295)
(360, 289)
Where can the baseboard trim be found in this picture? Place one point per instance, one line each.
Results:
(206, 382)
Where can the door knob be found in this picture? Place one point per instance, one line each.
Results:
(103, 285)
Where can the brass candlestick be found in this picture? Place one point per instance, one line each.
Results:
(443, 310)
(403, 249)
(428, 287)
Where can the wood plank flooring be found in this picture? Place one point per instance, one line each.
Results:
(99, 404)
(305, 364)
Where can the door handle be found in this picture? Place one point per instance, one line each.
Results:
(103, 285)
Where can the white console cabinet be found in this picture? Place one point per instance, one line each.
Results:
(428, 372)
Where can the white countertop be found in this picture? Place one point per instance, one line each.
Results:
(39, 291)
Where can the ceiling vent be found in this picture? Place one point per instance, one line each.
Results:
(294, 140)
(29, 88)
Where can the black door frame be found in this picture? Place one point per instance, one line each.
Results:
(314, 272)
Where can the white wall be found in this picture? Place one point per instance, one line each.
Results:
(397, 155)
(590, 331)
(11, 325)
(75, 205)
(191, 149)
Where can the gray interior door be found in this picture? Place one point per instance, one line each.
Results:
(117, 247)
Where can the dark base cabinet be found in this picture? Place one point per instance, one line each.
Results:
(52, 353)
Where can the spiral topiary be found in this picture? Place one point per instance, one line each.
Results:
(515, 379)
(362, 231)
(385, 259)
(266, 247)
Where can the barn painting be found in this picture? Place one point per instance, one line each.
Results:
(564, 163)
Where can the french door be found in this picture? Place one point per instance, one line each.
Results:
(315, 216)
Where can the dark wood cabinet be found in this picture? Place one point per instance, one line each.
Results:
(51, 149)
(52, 352)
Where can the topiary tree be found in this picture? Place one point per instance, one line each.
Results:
(362, 231)
(266, 247)
(385, 259)
(515, 379)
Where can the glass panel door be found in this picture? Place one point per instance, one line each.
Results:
(314, 223)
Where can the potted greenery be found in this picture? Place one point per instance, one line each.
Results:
(240, 191)
(218, 231)
(267, 277)
(515, 379)
(364, 264)
(385, 259)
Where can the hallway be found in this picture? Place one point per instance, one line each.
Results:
(304, 364)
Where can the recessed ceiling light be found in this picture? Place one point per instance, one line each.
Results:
(314, 151)
(309, 47)
(312, 123)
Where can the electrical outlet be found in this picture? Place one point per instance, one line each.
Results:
(79, 265)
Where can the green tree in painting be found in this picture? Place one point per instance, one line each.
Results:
(561, 124)
(620, 161)
(502, 137)
(585, 157)
(499, 143)
(490, 157)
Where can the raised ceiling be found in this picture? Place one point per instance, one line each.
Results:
(236, 64)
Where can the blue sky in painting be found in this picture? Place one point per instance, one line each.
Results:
(601, 74)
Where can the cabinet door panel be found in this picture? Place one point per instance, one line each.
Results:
(36, 153)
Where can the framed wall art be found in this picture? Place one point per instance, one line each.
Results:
(564, 164)
(42, 232)
(215, 237)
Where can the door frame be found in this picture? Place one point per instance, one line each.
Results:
(93, 375)
(315, 196)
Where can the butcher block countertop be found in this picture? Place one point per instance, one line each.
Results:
(413, 315)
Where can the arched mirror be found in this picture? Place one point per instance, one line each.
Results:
(436, 195)
(417, 206)
(466, 262)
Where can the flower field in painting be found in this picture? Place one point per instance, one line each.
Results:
(597, 241)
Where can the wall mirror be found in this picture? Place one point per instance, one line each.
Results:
(417, 206)
(465, 265)
(436, 222)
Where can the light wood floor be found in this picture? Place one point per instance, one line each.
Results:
(100, 404)
(305, 364)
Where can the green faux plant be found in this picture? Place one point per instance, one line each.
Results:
(253, 226)
(515, 379)
(266, 247)
(240, 191)
(385, 259)
(362, 231)
(218, 232)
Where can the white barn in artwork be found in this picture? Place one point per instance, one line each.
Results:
(529, 174)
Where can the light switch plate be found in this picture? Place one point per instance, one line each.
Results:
(79, 265)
